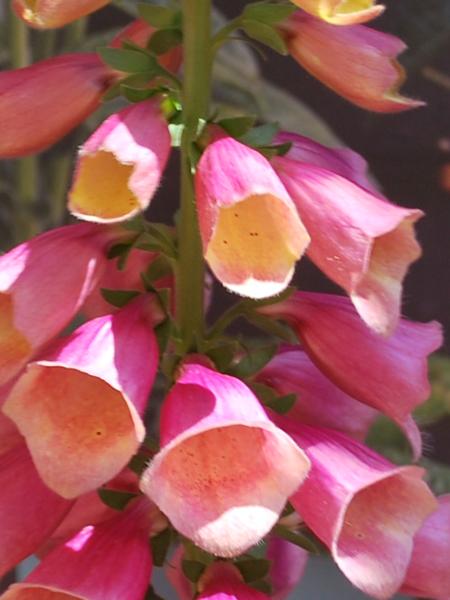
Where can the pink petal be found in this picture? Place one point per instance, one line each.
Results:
(222, 581)
(121, 164)
(364, 508)
(83, 441)
(287, 568)
(251, 233)
(224, 471)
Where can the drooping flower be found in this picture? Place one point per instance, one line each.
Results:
(428, 573)
(120, 166)
(79, 406)
(38, 296)
(50, 14)
(342, 12)
(109, 560)
(356, 62)
(365, 509)
(319, 401)
(224, 471)
(389, 374)
(42, 103)
(251, 233)
(360, 241)
(288, 563)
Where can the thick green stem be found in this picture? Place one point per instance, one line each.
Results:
(196, 92)
(26, 168)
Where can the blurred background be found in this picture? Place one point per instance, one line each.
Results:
(408, 154)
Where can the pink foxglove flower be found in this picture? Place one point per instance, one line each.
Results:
(49, 14)
(389, 374)
(79, 407)
(428, 573)
(360, 241)
(342, 12)
(319, 401)
(120, 166)
(365, 509)
(224, 471)
(251, 233)
(356, 62)
(111, 560)
(39, 296)
(288, 564)
(40, 104)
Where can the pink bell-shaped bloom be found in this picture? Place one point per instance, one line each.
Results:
(38, 295)
(252, 235)
(50, 14)
(288, 564)
(108, 561)
(120, 166)
(389, 374)
(140, 32)
(319, 401)
(428, 573)
(365, 509)
(360, 241)
(224, 471)
(356, 62)
(79, 407)
(223, 581)
(29, 510)
(40, 104)
(342, 12)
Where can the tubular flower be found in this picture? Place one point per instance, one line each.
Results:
(109, 560)
(251, 233)
(387, 374)
(63, 91)
(319, 401)
(120, 166)
(365, 509)
(50, 14)
(342, 12)
(356, 62)
(429, 570)
(288, 564)
(224, 471)
(360, 241)
(38, 298)
(83, 441)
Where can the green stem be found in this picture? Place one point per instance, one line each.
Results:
(196, 93)
(75, 33)
(26, 171)
(223, 34)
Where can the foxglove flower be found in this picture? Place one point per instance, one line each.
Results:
(79, 407)
(251, 233)
(365, 509)
(40, 104)
(342, 12)
(387, 374)
(360, 241)
(49, 14)
(224, 471)
(120, 166)
(356, 62)
(39, 297)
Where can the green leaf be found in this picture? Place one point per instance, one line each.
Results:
(114, 498)
(192, 569)
(138, 463)
(158, 268)
(268, 13)
(275, 150)
(254, 361)
(163, 332)
(119, 250)
(297, 538)
(136, 94)
(237, 126)
(262, 586)
(223, 354)
(158, 16)
(253, 569)
(160, 545)
(261, 135)
(269, 397)
(118, 298)
(128, 61)
(265, 34)
(165, 39)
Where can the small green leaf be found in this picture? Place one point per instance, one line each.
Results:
(261, 135)
(297, 538)
(162, 332)
(275, 150)
(193, 569)
(282, 404)
(115, 499)
(268, 13)
(223, 354)
(118, 250)
(160, 545)
(254, 361)
(262, 586)
(253, 569)
(118, 298)
(237, 126)
(265, 34)
(138, 463)
(158, 16)
(128, 61)
(158, 268)
(165, 39)
(136, 94)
